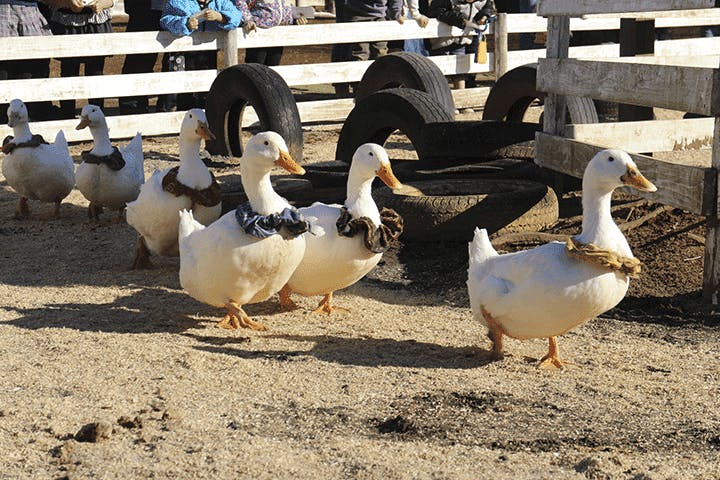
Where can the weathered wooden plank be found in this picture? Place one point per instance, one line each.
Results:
(15, 48)
(530, 22)
(681, 186)
(577, 8)
(711, 270)
(557, 48)
(637, 84)
(168, 123)
(523, 57)
(702, 61)
(647, 136)
(688, 46)
(110, 86)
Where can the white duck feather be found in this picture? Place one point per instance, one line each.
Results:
(45, 172)
(154, 214)
(543, 292)
(223, 266)
(102, 186)
(333, 261)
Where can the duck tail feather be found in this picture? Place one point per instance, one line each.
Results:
(188, 224)
(480, 249)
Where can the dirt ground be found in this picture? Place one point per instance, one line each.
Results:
(399, 387)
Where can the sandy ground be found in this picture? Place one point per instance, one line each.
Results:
(400, 387)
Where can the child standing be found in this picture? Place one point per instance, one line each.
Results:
(266, 14)
(72, 17)
(183, 17)
(466, 14)
(23, 19)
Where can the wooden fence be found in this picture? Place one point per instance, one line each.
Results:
(678, 83)
(110, 86)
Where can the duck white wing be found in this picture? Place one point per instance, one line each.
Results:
(542, 292)
(132, 153)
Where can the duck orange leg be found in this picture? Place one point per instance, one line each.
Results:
(552, 360)
(22, 210)
(56, 210)
(142, 255)
(94, 211)
(236, 318)
(325, 307)
(286, 302)
(495, 334)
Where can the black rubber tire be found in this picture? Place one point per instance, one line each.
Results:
(449, 210)
(257, 85)
(407, 70)
(513, 93)
(377, 116)
(456, 143)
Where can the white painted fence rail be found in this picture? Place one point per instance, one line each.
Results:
(684, 52)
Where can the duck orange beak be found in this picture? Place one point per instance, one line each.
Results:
(203, 131)
(84, 122)
(633, 178)
(388, 177)
(286, 161)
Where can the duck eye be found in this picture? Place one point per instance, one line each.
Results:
(266, 142)
(611, 159)
(372, 154)
(191, 115)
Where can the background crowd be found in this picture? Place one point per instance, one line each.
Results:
(183, 17)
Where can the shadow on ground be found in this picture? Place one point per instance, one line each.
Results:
(361, 351)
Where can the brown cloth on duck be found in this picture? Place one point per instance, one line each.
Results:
(207, 197)
(589, 253)
(35, 141)
(114, 161)
(377, 240)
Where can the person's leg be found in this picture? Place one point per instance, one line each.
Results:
(255, 55)
(94, 66)
(142, 19)
(274, 55)
(69, 67)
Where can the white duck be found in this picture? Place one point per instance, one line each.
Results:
(34, 169)
(104, 185)
(224, 266)
(544, 292)
(333, 261)
(155, 212)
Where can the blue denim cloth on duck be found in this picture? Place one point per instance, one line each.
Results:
(262, 226)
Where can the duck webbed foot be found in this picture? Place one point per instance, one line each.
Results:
(552, 359)
(94, 211)
(22, 210)
(325, 306)
(286, 302)
(56, 210)
(236, 318)
(142, 255)
(119, 217)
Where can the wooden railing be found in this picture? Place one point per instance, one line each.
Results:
(700, 51)
(691, 85)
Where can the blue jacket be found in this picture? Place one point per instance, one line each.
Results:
(176, 13)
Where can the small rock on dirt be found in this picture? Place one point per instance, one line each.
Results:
(94, 432)
(398, 424)
(126, 422)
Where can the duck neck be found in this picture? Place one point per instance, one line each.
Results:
(359, 201)
(259, 190)
(192, 172)
(21, 133)
(598, 226)
(101, 139)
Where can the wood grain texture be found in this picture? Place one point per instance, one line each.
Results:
(682, 186)
(687, 89)
(576, 8)
(647, 136)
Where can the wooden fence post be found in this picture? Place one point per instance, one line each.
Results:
(711, 268)
(501, 45)
(558, 43)
(230, 47)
